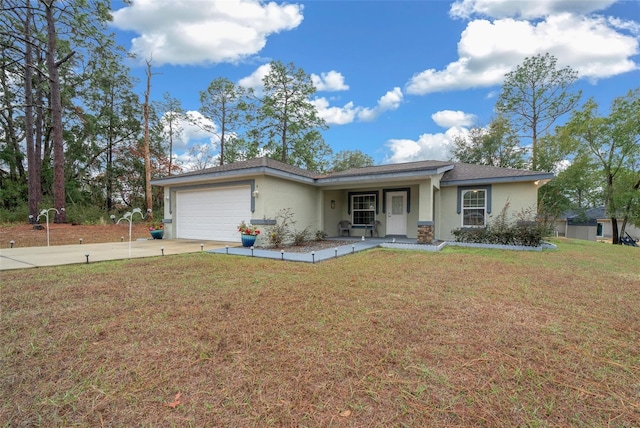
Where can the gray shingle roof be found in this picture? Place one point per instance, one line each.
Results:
(458, 172)
(263, 162)
(465, 171)
(391, 168)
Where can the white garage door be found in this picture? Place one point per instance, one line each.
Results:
(212, 214)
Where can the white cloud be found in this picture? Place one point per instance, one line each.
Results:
(254, 80)
(389, 101)
(488, 50)
(335, 115)
(427, 147)
(526, 9)
(193, 133)
(330, 81)
(432, 146)
(203, 31)
(450, 118)
(333, 80)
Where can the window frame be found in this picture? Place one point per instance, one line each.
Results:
(353, 209)
(482, 208)
(487, 204)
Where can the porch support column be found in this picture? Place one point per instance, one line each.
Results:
(426, 226)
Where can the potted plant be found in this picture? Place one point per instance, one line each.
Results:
(248, 234)
(156, 229)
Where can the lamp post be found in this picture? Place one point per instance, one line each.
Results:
(45, 212)
(128, 216)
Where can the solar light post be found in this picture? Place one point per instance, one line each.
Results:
(45, 212)
(128, 216)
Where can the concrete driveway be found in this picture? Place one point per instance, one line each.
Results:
(29, 257)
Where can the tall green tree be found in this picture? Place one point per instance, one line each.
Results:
(347, 159)
(169, 126)
(613, 142)
(576, 187)
(496, 145)
(49, 42)
(107, 126)
(226, 106)
(534, 96)
(289, 121)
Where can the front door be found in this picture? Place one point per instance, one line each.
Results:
(396, 213)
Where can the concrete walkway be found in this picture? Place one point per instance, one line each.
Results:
(341, 249)
(312, 257)
(30, 257)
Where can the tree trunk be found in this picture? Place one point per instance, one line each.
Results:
(39, 119)
(615, 236)
(59, 197)
(147, 150)
(33, 171)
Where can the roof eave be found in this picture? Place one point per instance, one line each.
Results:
(388, 176)
(224, 175)
(542, 179)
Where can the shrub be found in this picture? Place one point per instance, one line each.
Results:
(300, 236)
(281, 231)
(320, 235)
(526, 230)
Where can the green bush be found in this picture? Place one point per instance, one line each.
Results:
(525, 230)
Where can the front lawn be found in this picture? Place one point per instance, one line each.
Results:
(463, 337)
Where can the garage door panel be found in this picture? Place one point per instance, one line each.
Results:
(212, 214)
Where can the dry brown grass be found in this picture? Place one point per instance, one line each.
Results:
(25, 235)
(382, 338)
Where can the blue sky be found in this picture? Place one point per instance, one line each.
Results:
(396, 79)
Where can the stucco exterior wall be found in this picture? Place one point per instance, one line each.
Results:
(521, 196)
(332, 216)
(275, 194)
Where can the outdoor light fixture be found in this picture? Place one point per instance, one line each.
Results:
(162, 249)
(333, 204)
(252, 251)
(87, 256)
(313, 257)
(336, 250)
(201, 247)
(128, 216)
(113, 218)
(11, 243)
(255, 193)
(45, 212)
(282, 254)
(353, 249)
(80, 241)
(227, 247)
